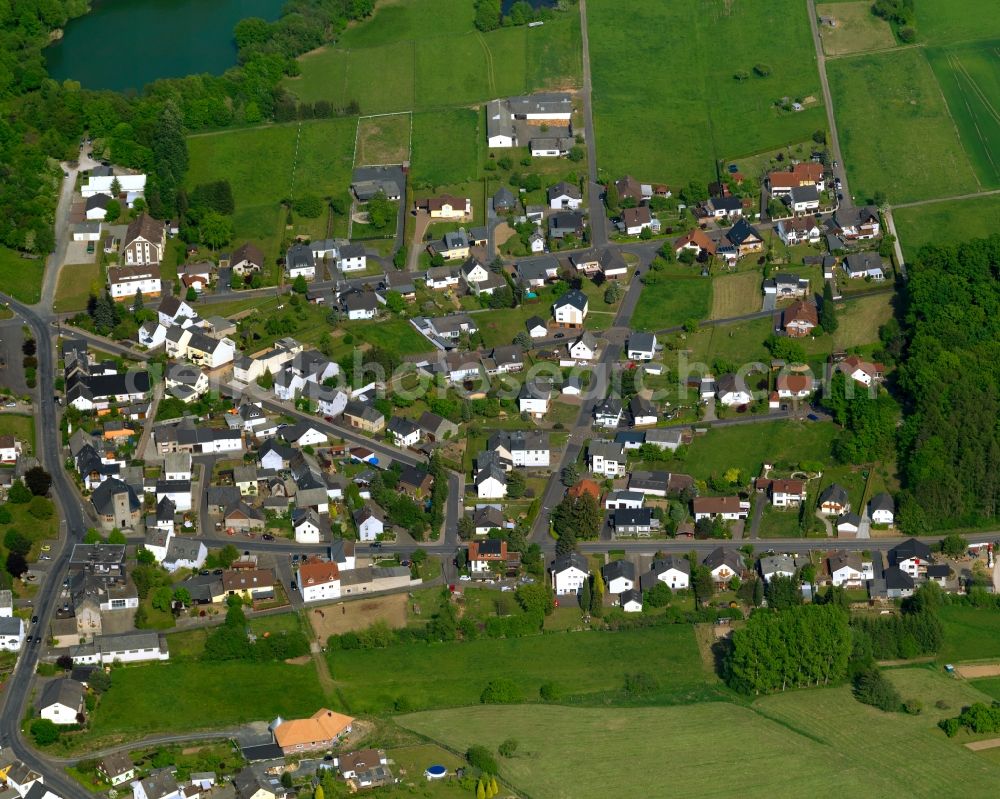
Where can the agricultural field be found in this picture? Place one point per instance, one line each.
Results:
(946, 223)
(746, 447)
(670, 301)
(76, 283)
(733, 295)
(592, 667)
(891, 116)
(157, 698)
(263, 169)
(969, 634)
(858, 30)
(569, 751)
(383, 140)
(712, 114)
(21, 277)
(969, 76)
(945, 21)
(393, 62)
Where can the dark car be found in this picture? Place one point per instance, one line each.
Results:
(812, 417)
(637, 273)
(559, 335)
(34, 619)
(267, 537)
(219, 572)
(375, 545)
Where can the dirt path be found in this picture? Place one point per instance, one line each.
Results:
(419, 229)
(323, 673)
(980, 670)
(978, 746)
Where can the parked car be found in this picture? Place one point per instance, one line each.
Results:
(465, 578)
(267, 537)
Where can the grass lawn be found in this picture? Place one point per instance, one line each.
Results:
(280, 623)
(779, 523)
(748, 446)
(591, 668)
(76, 283)
(568, 752)
(383, 140)
(262, 167)
(737, 343)
(969, 634)
(931, 683)
(970, 79)
(733, 295)
(159, 698)
(891, 114)
(858, 323)
(21, 427)
(397, 335)
(672, 300)
(857, 30)
(187, 645)
(712, 115)
(446, 147)
(21, 278)
(946, 223)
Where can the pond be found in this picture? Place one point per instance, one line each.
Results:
(125, 44)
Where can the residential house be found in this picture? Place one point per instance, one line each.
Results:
(607, 458)
(116, 768)
(442, 277)
(848, 525)
(608, 412)
(144, 242)
(636, 220)
(564, 196)
(583, 348)
(453, 245)
(794, 386)
(246, 259)
(619, 576)
(199, 348)
(848, 570)
(724, 564)
(11, 633)
(491, 483)
(320, 731)
(534, 397)
(623, 499)
(938, 573)
(634, 522)
(10, 449)
(360, 304)
(366, 768)
(96, 207)
(369, 521)
(402, 283)
(745, 238)
(833, 500)
(605, 261)
(503, 201)
(520, 448)
(404, 432)
(673, 570)
(242, 518)
(302, 434)
(868, 265)
(697, 241)
(898, 584)
(437, 428)
(799, 230)
(158, 785)
(101, 179)
(318, 580)
(802, 200)
(732, 391)
(628, 188)
(309, 527)
(484, 553)
(631, 601)
(641, 346)
(665, 438)
(536, 242)
(805, 174)
(724, 207)
(363, 416)
(861, 371)
(479, 279)
(855, 224)
(536, 272)
(504, 360)
(300, 262)
(787, 493)
(367, 181)
(197, 276)
(486, 518)
(446, 207)
(252, 784)
(724, 508)
(185, 381)
(644, 413)
(125, 281)
(449, 328)
(172, 310)
(568, 573)
(415, 482)
(61, 701)
(912, 557)
(772, 566)
(882, 509)
(352, 258)
(566, 223)
(800, 319)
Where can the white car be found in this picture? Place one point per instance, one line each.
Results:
(507, 588)
(465, 578)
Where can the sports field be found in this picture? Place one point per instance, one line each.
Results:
(857, 30)
(268, 164)
(969, 76)
(818, 743)
(946, 223)
(407, 58)
(666, 102)
(589, 666)
(891, 116)
(383, 140)
(733, 295)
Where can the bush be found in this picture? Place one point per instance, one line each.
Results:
(549, 692)
(481, 758)
(639, 684)
(41, 508)
(508, 747)
(913, 706)
(872, 688)
(44, 732)
(501, 691)
(5, 517)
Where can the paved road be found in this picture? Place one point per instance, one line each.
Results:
(834, 143)
(17, 690)
(598, 219)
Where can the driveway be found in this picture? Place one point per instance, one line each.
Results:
(420, 226)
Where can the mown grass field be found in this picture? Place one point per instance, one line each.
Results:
(737, 294)
(746, 447)
(858, 29)
(946, 223)
(891, 115)
(263, 169)
(670, 118)
(670, 301)
(858, 323)
(969, 634)
(76, 283)
(969, 77)
(193, 695)
(818, 743)
(383, 140)
(945, 21)
(21, 278)
(394, 61)
(587, 666)
(447, 146)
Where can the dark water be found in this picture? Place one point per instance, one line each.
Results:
(125, 44)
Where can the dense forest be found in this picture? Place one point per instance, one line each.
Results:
(42, 121)
(949, 384)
